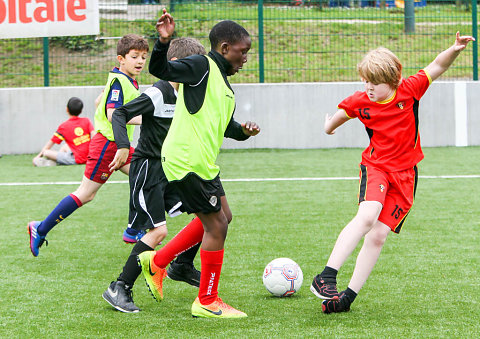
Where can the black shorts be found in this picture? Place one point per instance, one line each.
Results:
(199, 195)
(150, 195)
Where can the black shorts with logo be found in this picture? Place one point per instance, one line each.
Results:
(150, 195)
(199, 195)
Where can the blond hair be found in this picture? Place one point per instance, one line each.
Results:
(381, 66)
(182, 47)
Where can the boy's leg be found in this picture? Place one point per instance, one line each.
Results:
(368, 255)
(153, 263)
(208, 304)
(131, 270)
(38, 230)
(366, 260)
(348, 239)
(324, 284)
(50, 154)
(119, 294)
(182, 268)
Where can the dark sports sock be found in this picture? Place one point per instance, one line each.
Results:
(329, 273)
(67, 206)
(131, 270)
(351, 294)
(188, 256)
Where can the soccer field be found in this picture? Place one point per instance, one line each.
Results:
(425, 284)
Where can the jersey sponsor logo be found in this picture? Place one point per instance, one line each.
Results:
(81, 140)
(213, 200)
(164, 110)
(115, 94)
(78, 131)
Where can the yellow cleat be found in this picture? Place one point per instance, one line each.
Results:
(153, 274)
(217, 309)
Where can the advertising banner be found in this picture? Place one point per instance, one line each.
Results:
(47, 18)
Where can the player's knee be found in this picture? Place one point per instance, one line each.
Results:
(229, 217)
(376, 238)
(159, 233)
(222, 228)
(367, 219)
(84, 196)
(87, 198)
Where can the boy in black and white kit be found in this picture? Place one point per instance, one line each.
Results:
(150, 195)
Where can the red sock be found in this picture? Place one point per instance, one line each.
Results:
(189, 236)
(211, 267)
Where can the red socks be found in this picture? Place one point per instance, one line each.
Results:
(211, 267)
(189, 236)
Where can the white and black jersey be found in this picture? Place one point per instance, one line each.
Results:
(156, 106)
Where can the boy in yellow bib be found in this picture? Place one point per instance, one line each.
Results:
(203, 116)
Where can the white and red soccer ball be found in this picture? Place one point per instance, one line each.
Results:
(282, 277)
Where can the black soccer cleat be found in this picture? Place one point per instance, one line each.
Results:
(186, 272)
(324, 288)
(120, 296)
(341, 304)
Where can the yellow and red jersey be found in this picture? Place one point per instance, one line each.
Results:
(392, 124)
(76, 133)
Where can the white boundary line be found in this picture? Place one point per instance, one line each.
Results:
(472, 176)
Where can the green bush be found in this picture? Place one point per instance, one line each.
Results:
(77, 43)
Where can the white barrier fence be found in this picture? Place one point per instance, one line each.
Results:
(291, 115)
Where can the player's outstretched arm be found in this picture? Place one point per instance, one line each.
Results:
(443, 61)
(335, 121)
(165, 27)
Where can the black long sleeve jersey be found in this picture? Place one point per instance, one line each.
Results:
(193, 72)
(156, 106)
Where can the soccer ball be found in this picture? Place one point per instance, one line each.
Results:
(282, 277)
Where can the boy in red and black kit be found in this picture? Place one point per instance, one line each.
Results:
(76, 132)
(121, 88)
(388, 172)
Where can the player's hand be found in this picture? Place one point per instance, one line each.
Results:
(165, 27)
(328, 122)
(250, 128)
(120, 159)
(462, 41)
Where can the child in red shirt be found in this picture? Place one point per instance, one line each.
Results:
(388, 173)
(76, 132)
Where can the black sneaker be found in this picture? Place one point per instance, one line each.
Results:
(184, 272)
(120, 296)
(341, 304)
(324, 288)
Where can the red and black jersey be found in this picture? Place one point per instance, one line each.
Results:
(392, 125)
(76, 133)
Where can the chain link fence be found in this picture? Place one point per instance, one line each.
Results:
(292, 40)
